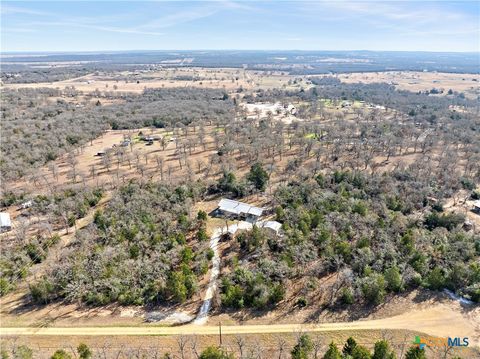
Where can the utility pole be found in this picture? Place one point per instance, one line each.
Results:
(220, 332)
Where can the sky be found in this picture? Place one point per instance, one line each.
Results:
(254, 25)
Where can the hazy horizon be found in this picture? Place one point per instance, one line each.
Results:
(52, 52)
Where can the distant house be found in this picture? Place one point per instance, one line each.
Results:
(239, 210)
(291, 109)
(476, 206)
(5, 222)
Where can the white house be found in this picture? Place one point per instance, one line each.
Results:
(5, 222)
(239, 210)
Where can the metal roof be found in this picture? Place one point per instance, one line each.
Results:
(5, 220)
(477, 203)
(235, 207)
(272, 225)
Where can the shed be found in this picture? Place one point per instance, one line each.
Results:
(26, 205)
(476, 206)
(272, 225)
(239, 210)
(5, 222)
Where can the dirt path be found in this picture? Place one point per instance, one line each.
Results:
(202, 316)
(439, 320)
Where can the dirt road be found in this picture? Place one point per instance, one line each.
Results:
(440, 320)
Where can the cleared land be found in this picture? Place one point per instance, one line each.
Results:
(137, 81)
(420, 81)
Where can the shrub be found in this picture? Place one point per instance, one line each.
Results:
(35, 252)
(393, 279)
(42, 291)
(382, 351)
(302, 349)
(232, 295)
(349, 346)
(202, 215)
(346, 296)
(258, 177)
(373, 288)
(302, 302)
(475, 194)
(448, 221)
(210, 254)
(360, 208)
(467, 183)
(24, 352)
(202, 234)
(84, 351)
(360, 352)
(61, 354)
(435, 279)
(277, 293)
(332, 352)
(215, 353)
(415, 352)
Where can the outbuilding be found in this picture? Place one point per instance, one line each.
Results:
(5, 222)
(273, 226)
(26, 205)
(476, 206)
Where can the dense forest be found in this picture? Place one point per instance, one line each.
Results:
(136, 251)
(368, 230)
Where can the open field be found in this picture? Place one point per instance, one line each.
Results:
(263, 344)
(469, 84)
(137, 81)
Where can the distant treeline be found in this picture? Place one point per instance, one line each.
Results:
(296, 62)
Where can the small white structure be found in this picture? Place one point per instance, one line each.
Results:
(239, 210)
(271, 225)
(26, 205)
(476, 206)
(5, 222)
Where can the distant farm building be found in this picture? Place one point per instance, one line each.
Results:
(5, 222)
(239, 210)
